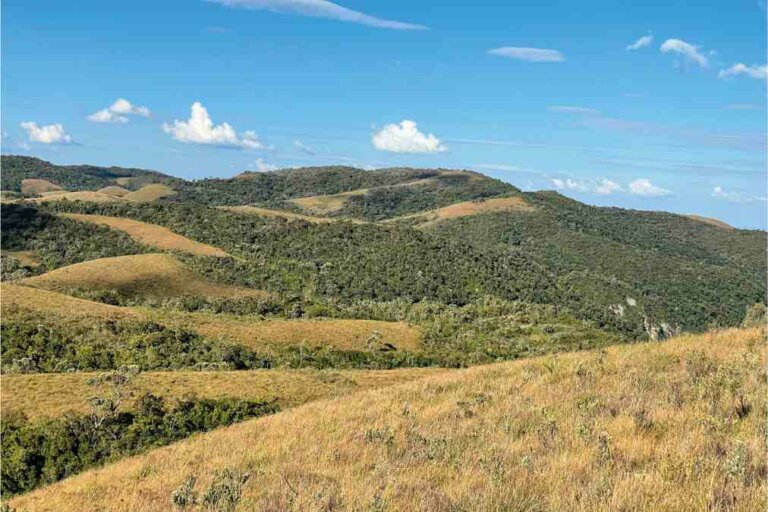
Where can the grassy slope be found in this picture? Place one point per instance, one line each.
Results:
(151, 192)
(280, 214)
(39, 396)
(143, 275)
(641, 427)
(468, 208)
(249, 331)
(150, 234)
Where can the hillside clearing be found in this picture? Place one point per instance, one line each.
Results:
(114, 191)
(153, 276)
(656, 426)
(712, 222)
(83, 195)
(150, 234)
(467, 208)
(40, 396)
(149, 193)
(266, 212)
(32, 186)
(259, 334)
(16, 297)
(26, 258)
(323, 205)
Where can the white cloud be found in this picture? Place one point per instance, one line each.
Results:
(607, 187)
(262, 166)
(118, 112)
(689, 51)
(602, 187)
(199, 129)
(304, 148)
(529, 54)
(320, 9)
(644, 187)
(721, 193)
(754, 71)
(565, 109)
(641, 43)
(406, 138)
(49, 134)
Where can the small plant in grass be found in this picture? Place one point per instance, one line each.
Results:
(226, 490)
(185, 496)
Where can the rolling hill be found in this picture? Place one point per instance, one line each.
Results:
(671, 426)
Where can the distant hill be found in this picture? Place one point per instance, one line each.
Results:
(73, 177)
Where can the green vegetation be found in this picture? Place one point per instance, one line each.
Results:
(39, 453)
(73, 177)
(58, 242)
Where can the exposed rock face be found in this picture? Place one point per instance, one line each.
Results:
(660, 331)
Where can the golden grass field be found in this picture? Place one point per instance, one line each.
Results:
(83, 195)
(40, 396)
(151, 192)
(150, 234)
(114, 190)
(266, 212)
(31, 186)
(16, 297)
(670, 426)
(258, 334)
(467, 208)
(245, 330)
(713, 222)
(154, 276)
(323, 205)
(124, 181)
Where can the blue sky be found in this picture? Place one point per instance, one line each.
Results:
(543, 94)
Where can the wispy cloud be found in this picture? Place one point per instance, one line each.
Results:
(565, 109)
(644, 187)
(734, 197)
(118, 112)
(640, 43)
(405, 137)
(744, 106)
(48, 134)
(754, 71)
(261, 166)
(304, 148)
(602, 187)
(199, 129)
(320, 9)
(690, 52)
(528, 54)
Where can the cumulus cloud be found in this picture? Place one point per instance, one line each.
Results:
(48, 134)
(261, 166)
(640, 43)
(118, 112)
(406, 138)
(565, 109)
(199, 129)
(607, 187)
(320, 9)
(304, 148)
(529, 54)
(603, 187)
(687, 50)
(644, 187)
(754, 71)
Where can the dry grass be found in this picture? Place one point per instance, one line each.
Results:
(467, 208)
(713, 222)
(149, 193)
(323, 205)
(150, 234)
(259, 334)
(154, 276)
(657, 426)
(40, 396)
(114, 191)
(14, 297)
(124, 181)
(35, 187)
(249, 331)
(26, 258)
(266, 212)
(83, 195)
